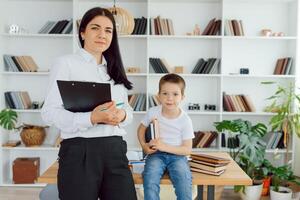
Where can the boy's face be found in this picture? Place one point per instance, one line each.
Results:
(170, 95)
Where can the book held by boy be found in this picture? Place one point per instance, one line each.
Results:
(152, 131)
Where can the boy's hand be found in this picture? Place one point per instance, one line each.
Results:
(148, 149)
(157, 144)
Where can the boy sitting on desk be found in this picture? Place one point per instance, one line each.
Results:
(168, 152)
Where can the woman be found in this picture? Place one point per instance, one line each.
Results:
(92, 157)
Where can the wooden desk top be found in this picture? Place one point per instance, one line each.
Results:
(233, 175)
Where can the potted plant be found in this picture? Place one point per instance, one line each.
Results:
(266, 172)
(287, 118)
(249, 154)
(280, 178)
(252, 169)
(31, 135)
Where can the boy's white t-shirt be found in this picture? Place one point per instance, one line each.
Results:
(171, 131)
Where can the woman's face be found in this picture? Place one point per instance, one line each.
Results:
(98, 35)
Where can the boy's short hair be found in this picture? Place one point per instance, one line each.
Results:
(172, 78)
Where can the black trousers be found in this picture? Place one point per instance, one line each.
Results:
(92, 168)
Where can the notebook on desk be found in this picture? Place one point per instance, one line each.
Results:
(80, 96)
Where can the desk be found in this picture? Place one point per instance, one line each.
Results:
(233, 175)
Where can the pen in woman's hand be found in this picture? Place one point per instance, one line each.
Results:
(117, 105)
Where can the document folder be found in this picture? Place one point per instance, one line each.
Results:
(80, 96)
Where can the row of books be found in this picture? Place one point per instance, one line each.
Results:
(229, 141)
(234, 27)
(213, 27)
(208, 164)
(19, 63)
(57, 27)
(153, 101)
(237, 103)
(140, 26)
(137, 101)
(210, 66)
(283, 66)
(160, 65)
(17, 99)
(274, 140)
(161, 26)
(203, 139)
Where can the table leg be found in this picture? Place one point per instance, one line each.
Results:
(199, 192)
(210, 192)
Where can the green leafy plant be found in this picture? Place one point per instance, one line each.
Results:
(265, 169)
(251, 150)
(250, 136)
(281, 175)
(8, 119)
(287, 118)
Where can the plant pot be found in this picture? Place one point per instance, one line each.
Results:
(266, 186)
(252, 192)
(296, 196)
(283, 194)
(295, 189)
(33, 135)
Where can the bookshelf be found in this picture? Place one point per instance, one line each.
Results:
(253, 51)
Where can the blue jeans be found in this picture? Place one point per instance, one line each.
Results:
(179, 172)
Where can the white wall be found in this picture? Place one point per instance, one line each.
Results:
(297, 140)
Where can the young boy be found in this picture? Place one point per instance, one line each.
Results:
(169, 151)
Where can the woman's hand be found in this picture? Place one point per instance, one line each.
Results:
(107, 113)
(148, 149)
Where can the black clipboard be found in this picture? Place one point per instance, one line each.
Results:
(80, 96)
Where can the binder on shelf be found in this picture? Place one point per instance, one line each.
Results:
(80, 96)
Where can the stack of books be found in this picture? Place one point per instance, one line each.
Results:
(283, 66)
(208, 164)
(57, 27)
(211, 66)
(238, 103)
(203, 139)
(19, 63)
(18, 99)
(234, 27)
(137, 101)
(161, 26)
(213, 27)
(153, 100)
(140, 26)
(159, 65)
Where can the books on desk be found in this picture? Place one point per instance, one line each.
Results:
(136, 166)
(207, 172)
(208, 164)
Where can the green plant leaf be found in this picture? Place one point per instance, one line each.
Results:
(237, 188)
(8, 119)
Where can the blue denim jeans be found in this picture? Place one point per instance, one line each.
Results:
(179, 172)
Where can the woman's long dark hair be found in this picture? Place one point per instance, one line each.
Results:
(115, 68)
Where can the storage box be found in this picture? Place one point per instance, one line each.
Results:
(26, 170)
(178, 69)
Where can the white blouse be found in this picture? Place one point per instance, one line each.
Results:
(81, 66)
